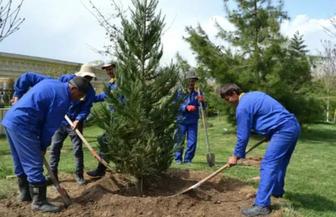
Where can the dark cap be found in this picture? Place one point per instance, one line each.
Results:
(228, 89)
(81, 83)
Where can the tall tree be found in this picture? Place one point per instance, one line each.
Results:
(140, 130)
(256, 55)
(325, 72)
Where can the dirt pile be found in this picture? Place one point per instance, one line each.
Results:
(250, 161)
(114, 195)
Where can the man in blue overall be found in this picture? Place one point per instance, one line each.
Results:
(261, 113)
(29, 126)
(187, 120)
(110, 69)
(77, 112)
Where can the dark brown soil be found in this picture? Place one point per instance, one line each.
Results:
(250, 161)
(113, 195)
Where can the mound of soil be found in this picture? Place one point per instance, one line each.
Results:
(114, 195)
(250, 161)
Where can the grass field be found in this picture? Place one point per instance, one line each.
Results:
(310, 181)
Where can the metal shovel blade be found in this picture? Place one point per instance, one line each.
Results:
(210, 159)
(63, 193)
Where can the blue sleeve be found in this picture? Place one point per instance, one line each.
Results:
(87, 104)
(183, 102)
(26, 81)
(103, 95)
(100, 97)
(183, 106)
(66, 78)
(244, 125)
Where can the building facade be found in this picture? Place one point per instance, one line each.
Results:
(13, 65)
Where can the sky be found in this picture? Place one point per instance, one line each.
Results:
(65, 29)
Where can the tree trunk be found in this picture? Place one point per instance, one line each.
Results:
(328, 108)
(139, 185)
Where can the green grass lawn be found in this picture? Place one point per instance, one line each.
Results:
(310, 180)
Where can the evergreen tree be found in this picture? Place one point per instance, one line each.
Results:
(140, 130)
(257, 56)
(297, 44)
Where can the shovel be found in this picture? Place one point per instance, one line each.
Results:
(217, 171)
(86, 143)
(64, 194)
(210, 157)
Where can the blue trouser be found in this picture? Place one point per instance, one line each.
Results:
(275, 161)
(191, 131)
(57, 144)
(27, 154)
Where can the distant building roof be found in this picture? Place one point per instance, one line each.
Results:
(20, 56)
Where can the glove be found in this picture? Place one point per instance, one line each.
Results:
(191, 108)
(200, 98)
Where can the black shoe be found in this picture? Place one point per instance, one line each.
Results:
(99, 172)
(277, 196)
(49, 180)
(39, 196)
(24, 194)
(256, 211)
(80, 179)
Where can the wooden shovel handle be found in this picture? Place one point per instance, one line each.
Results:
(86, 143)
(217, 171)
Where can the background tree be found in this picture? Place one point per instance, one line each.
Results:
(140, 130)
(325, 72)
(257, 57)
(9, 18)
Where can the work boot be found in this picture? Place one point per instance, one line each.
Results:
(277, 195)
(256, 211)
(24, 194)
(39, 196)
(79, 179)
(98, 172)
(49, 180)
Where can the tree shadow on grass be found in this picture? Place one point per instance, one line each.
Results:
(317, 135)
(5, 152)
(311, 201)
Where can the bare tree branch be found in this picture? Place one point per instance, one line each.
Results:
(9, 18)
(108, 22)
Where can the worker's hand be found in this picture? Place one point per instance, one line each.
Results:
(232, 160)
(75, 124)
(191, 108)
(14, 100)
(200, 98)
